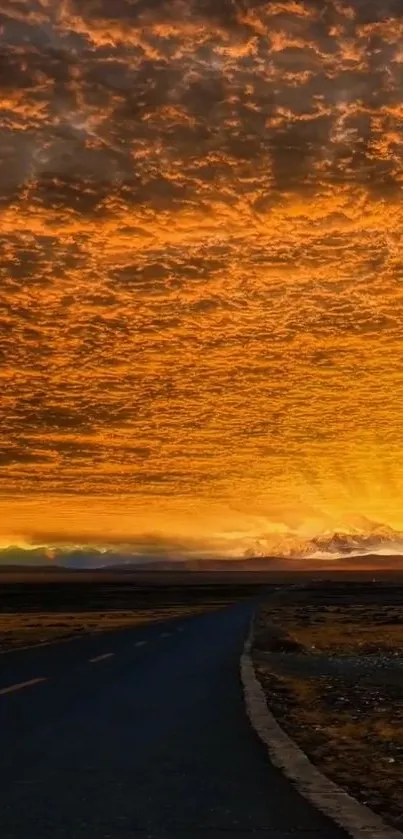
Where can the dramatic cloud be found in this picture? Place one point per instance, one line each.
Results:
(201, 298)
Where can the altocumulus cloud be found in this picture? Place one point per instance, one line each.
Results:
(201, 277)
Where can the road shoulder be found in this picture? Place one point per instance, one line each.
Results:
(357, 819)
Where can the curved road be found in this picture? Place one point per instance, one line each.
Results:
(141, 733)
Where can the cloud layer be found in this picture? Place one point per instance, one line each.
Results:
(201, 305)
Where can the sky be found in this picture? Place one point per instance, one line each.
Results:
(201, 298)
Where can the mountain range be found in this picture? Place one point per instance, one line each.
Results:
(380, 539)
(367, 542)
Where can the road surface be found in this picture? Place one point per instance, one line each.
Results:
(141, 733)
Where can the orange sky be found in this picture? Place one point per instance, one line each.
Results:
(201, 306)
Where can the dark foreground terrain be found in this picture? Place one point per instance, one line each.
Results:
(122, 712)
(39, 606)
(42, 604)
(330, 659)
(141, 732)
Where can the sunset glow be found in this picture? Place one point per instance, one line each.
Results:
(201, 305)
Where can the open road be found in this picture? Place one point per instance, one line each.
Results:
(141, 733)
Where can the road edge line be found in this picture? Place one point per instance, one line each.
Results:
(101, 657)
(355, 818)
(21, 685)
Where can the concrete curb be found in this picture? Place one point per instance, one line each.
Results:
(355, 818)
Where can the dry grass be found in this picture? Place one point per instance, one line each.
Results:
(352, 728)
(362, 755)
(37, 610)
(27, 628)
(340, 630)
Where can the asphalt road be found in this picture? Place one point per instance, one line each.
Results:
(141, 733)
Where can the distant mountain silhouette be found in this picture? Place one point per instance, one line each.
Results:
(363, 544)
(376, 539)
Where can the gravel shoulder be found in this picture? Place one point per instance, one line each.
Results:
(332, 672)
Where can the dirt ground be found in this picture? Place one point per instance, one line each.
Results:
(330, 661)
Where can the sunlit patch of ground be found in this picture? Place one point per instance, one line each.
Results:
(38, 608)
(333, 677)
(343, 630)
(26, 628)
